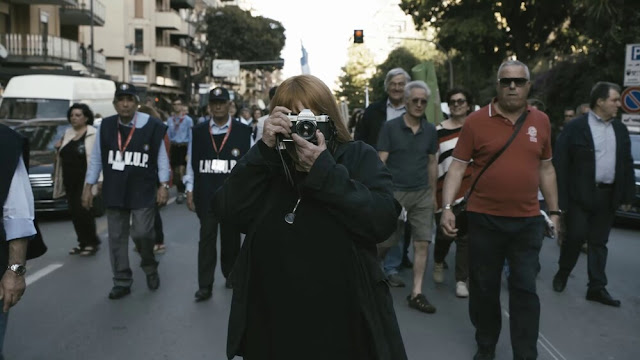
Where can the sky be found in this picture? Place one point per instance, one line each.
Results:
(325, 28)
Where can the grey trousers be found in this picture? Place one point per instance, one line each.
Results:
(143, 235)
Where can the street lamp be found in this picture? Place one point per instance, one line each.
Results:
(446, 53)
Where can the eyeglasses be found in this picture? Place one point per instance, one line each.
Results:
(506, 82)
(417, 101)
(457, 102)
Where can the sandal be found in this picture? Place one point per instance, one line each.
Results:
(75, 251)
(89, 251)
(159, 249)
(421, 303)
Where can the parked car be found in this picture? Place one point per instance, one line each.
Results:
(42, 136)
(634, 212)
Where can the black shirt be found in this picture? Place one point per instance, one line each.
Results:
(74, 163)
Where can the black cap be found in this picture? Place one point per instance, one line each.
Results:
(126, 89)
(219, 94)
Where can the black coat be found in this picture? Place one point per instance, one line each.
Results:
(348, 195)
(368, 128)
(575, 165)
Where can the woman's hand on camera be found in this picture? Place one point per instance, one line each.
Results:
(277, 123)
(308, 152)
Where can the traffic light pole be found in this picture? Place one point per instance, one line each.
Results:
(446, 53)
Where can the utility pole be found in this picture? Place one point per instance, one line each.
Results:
(93, 50)
(446, 53)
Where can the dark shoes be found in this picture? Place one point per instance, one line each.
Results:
(228, 284)
(421, 303)
(119, 291)
(485, 353)
(153, 281)
(203, 294)
(602, 296)
(559, 282)
(394, 280)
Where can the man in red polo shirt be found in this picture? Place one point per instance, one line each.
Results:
(503, 210)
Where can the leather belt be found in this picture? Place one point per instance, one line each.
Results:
(604, 186)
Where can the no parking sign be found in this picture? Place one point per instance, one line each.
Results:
(631, 100)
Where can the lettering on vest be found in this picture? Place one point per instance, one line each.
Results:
(216, 166)
(131, 158)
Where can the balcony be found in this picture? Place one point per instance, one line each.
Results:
(183, 4)
(46, 2)
(80, 13)
(172, 55)
(186, 30)
(165, 81)
(35, 49)
(168, 20)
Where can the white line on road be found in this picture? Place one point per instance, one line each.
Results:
(42, 273)
(544, 342)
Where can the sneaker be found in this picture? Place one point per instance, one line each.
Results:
(461, 289)
(438, 273)
(180, 198)
(421, 303)
(394, 280)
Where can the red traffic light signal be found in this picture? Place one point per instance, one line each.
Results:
(358, 36)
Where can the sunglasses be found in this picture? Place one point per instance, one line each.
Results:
(506, 82)
(419, 101)
(457, 102)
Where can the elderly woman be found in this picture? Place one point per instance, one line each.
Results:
(306, 283)
(74, 151)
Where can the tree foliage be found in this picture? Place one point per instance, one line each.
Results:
(233, 33)
(355, 76)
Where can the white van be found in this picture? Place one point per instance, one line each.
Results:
(31, 97)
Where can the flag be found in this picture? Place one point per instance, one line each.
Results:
(304, 61)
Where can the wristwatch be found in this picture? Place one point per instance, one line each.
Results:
(555, 212)
(165, 185)
(19, 269)
(448, 207)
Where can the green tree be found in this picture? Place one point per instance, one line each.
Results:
(233, 33)
(355, 76)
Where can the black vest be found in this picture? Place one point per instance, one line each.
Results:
(210, 170)
(12, 145)
(136, 186)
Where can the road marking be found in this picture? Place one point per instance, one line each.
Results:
(42, 273)
(545, 343)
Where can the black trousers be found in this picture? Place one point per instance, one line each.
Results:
(83, 220)
(491, 240)
(442, 246)
(157, 227)
(178, 153)
(207, 253)
(594, 226)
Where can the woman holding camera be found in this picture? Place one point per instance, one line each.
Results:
(74, 151)
(307, 283)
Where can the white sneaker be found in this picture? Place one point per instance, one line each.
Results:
(438, 273)
(461, 289)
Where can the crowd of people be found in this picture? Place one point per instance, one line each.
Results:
(473, 180)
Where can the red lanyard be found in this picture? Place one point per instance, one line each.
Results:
(224, 141)
(133, 129)
(176, 125)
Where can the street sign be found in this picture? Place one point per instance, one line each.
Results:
(631, 100)
(632, 121)
(226, 68)
(632, 65)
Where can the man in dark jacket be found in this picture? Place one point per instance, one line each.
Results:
(131, 154)
(214, 149)
(595, 176)
(17, 226)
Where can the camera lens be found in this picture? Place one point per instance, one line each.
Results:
(306, 129)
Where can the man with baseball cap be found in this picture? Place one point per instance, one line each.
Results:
(215, 147)
(130, 152)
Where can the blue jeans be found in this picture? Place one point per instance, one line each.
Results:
(4, 317)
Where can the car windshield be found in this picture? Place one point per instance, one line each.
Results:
(27, 109)
(43, 137)
(635, 147)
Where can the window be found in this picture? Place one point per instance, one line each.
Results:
(138, 14)
(139, 41)
(139, 68)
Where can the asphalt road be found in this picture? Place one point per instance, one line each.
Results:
(65, 313)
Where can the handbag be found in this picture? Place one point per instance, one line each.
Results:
(460, 209)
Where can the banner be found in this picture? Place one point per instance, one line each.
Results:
(427, 73)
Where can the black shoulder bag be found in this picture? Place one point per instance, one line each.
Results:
(460, 210)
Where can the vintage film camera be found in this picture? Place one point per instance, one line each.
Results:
(306, 123)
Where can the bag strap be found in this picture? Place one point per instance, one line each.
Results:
(495, 156)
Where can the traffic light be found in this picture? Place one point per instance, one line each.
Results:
(358, 36)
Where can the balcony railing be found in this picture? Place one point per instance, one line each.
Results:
(35, 48)
(45, 2)
(80, 13)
